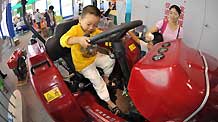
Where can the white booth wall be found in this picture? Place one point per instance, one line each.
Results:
(200, 25)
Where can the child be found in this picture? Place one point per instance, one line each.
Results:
(145, 47)
(76, 40)
(44, 30)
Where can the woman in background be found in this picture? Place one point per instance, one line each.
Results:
(168, 27)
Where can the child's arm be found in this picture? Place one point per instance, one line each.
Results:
(134, 37)
(83, 41)
(148, 34)
(143, 45)
(71, 37)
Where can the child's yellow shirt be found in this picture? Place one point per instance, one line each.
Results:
(79, 61)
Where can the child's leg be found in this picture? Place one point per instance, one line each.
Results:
(106, 63)
(98, 83)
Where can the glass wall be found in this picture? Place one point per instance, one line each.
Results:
(67, 8)
(56, 4)
(41, 5)
(64, 8)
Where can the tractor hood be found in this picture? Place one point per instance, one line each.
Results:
(168, 84)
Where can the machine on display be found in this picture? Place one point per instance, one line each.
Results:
(172, 83)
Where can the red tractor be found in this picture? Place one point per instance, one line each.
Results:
(172, 83)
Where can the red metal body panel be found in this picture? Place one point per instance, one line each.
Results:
(132, 51)
(170, 88)
(210, 111)
(95, 111)
(45, 78)
(12, 62)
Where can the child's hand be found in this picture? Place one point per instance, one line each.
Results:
(83, 41)
(149, 36)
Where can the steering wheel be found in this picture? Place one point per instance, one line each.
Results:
(115, 34)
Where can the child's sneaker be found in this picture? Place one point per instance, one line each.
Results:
(115, 110)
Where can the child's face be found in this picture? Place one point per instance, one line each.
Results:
(89, 23)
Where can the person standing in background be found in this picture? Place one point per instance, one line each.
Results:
(50, 19)
(102, 5)
(38, 18)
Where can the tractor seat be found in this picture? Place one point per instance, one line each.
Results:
(53, 47)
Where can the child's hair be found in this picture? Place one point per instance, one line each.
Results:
(90, 9)
(157, 38)
(177, 8)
